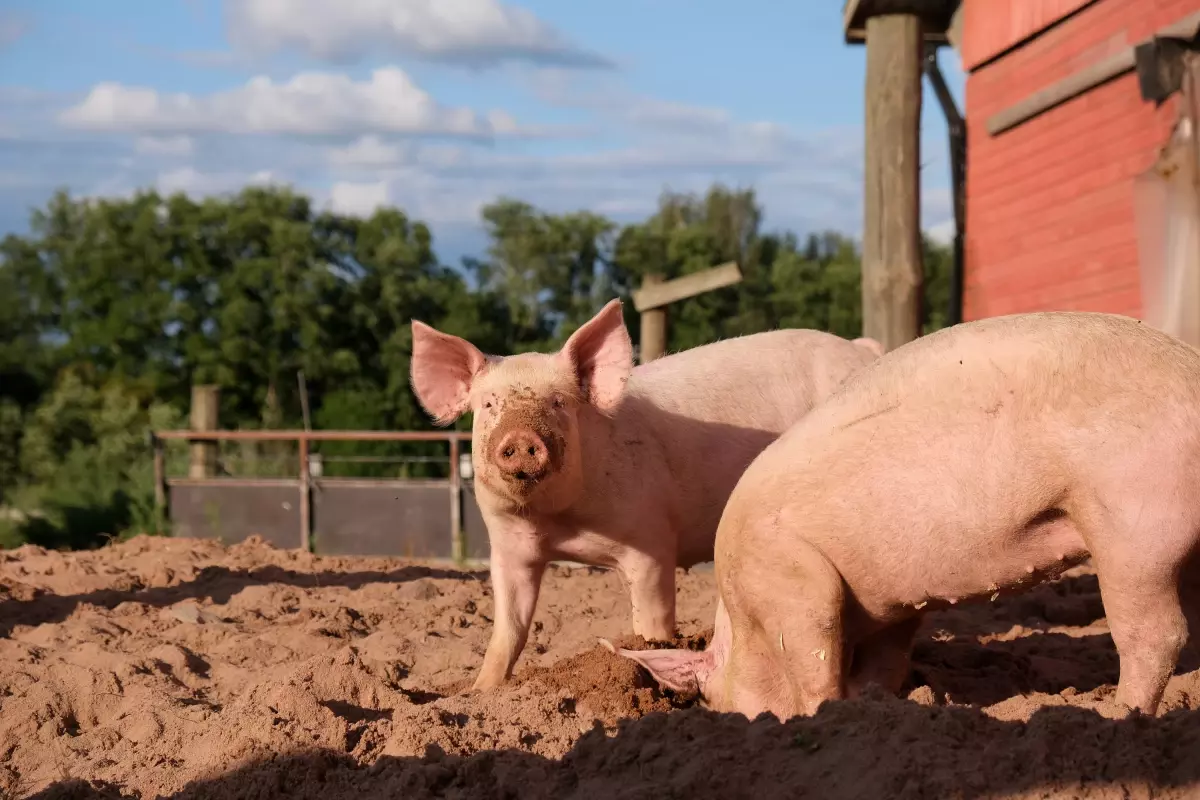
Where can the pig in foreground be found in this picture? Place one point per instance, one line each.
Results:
(980, 459)
(579, 456)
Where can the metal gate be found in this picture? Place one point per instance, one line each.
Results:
(420, 518)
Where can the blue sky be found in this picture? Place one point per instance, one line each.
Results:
(440, 106)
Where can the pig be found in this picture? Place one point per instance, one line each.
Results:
(973, 462)
(580, 456)
(869, 343)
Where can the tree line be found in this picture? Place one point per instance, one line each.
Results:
(111, 309)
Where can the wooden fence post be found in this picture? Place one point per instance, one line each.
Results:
(458, 538)
(305, 497)
(204, 417)
(160, 478)
(652, 299)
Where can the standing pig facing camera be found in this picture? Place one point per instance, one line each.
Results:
(976, 461)
(580, 456)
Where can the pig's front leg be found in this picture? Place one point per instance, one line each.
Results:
(651, 582)
(516, 582)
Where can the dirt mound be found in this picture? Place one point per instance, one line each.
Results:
(179, 668)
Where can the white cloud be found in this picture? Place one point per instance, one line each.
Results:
(358, 199)
(473, 32)
(196, 183)
(672, 125)
(368, 151)
(170, 146)
(311, 103)
(805, 179)
(942, 232)
(676, 116)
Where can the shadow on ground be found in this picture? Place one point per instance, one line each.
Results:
(883, 747)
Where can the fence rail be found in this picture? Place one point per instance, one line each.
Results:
(348, 501)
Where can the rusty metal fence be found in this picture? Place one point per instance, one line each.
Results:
(427, 518)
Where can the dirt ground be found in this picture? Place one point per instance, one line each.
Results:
(167, 667)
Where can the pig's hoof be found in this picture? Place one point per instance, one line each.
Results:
(607, 645)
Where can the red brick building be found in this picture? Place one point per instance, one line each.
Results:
(1057, 133)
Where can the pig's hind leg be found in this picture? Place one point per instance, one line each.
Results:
(1139, 560)
(1189, 595)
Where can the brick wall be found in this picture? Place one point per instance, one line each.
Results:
(1050, 211)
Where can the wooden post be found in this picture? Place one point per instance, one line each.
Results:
(892, 272)
(654, 326)
(160, 478)
(305, 495)
(204, 413)
(652, 299)
(458, 539)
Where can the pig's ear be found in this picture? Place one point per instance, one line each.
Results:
(869, 343)
(443, 367)
(602, 356)
(680, 670)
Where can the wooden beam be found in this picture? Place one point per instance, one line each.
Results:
(1061, 91)
(1084, 80)
(657, 293)
(315, 436)
(937, 15)
(892, 272)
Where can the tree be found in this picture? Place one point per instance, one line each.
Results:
(111, 309)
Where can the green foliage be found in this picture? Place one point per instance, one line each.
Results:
(111, 309)
(86, 467)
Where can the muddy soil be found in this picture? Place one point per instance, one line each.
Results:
(168, 667)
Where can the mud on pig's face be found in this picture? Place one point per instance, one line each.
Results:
(527, 408)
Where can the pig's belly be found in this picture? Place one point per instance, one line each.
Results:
(967, 566)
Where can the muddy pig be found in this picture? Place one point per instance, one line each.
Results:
(579, 456)
(972, 462)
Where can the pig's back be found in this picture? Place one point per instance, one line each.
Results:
(1109, 352)
(1040, 373)
(764, 381)
(933, 457)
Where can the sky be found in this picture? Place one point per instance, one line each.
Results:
(439, 107)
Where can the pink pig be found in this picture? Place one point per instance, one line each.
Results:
(978, 460)
(579, 456)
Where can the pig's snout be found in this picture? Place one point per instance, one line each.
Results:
(523, 455)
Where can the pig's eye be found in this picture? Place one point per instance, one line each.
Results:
(487, 403)
(556, 401)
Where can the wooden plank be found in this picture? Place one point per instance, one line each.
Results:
(1084, 80)
(656, 295)
(1058, 93)
(994, 28)
(935, 13)
(892, 270)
